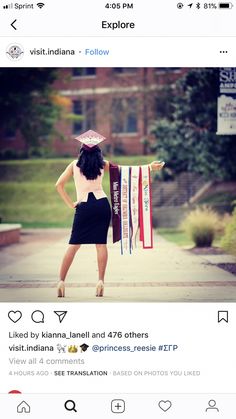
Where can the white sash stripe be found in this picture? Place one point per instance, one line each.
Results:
(134, 202)
(146, 208)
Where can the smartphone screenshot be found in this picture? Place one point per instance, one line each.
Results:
(117, 209)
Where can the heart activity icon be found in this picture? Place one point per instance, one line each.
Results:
(164, 405)
(15, 316)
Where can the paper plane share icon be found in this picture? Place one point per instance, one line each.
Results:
(61, 315)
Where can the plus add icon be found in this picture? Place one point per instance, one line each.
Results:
(117, 406)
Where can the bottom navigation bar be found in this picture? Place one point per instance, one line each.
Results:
(136, 406)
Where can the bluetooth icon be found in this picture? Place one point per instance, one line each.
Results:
(198, 5)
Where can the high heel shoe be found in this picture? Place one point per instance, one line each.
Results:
(61, 289)
(100, 288)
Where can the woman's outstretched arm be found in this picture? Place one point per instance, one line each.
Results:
(60, 185)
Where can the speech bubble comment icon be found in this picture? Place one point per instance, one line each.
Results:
(14, 316)
(37, 316)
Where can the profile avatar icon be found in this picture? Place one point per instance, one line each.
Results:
(212, 406)
(15, 52)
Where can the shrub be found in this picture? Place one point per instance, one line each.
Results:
(223, 221)
(201, 225)
(228, 241)
(10, 154)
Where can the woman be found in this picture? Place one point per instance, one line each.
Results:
(93, 213)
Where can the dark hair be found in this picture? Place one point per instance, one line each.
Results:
(90, 162)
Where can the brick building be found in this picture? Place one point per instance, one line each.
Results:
(120, 103)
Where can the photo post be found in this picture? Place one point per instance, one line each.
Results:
(117, 209)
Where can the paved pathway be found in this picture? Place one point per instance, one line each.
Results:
(166, 273)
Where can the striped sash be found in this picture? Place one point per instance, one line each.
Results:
(134, 203)
(115, 200)
(125, 210)
(131, 206)
(145, 208)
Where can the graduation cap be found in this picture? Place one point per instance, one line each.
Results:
(90, 139)
(84, 347)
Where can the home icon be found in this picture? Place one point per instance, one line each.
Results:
(23, 407)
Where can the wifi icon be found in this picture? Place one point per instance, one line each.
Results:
(40, 5)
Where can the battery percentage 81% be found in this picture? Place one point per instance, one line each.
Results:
(210, 6)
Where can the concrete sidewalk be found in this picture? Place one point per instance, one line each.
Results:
(166, 273)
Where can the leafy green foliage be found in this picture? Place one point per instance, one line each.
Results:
(187, 139)
(26, 104)
(229, 240)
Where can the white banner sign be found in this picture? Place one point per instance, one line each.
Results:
(226, 115)
(228, 81)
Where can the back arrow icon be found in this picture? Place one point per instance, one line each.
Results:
(12, 24)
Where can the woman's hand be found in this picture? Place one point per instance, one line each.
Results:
(157, 165)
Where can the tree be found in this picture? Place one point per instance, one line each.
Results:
(28, 104)
(187, 140)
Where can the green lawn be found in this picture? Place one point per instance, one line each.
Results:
(176, 236)
(28, 195)
(181, 238)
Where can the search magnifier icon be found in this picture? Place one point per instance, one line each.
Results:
(70, 406)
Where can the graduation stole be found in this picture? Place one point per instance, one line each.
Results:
(131, 206)
(125, 231)
(115, 200)
(145, 208)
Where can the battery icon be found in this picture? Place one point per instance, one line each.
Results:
(225, 5)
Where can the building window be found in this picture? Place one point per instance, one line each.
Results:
(124, 115)
(125, 70)
(163, 70)
(87, 112)
(84, 72)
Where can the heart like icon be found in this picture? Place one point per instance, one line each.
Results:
(15, 316)
(164, 405)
